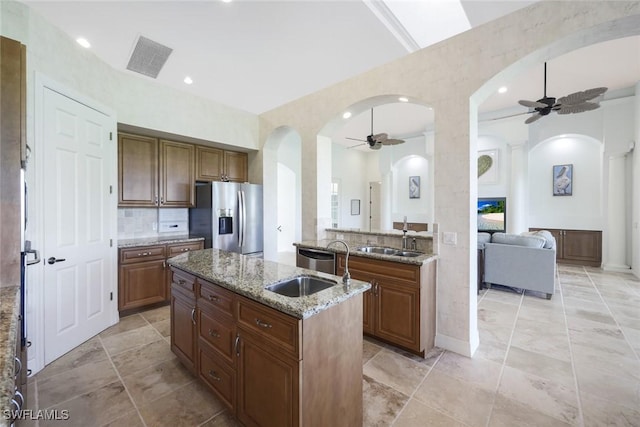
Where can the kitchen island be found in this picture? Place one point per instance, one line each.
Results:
(273, 360)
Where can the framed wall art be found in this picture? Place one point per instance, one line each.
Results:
(414, 187)
(563, 180)
(488, 168)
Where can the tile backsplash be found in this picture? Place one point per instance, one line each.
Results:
(136, 223)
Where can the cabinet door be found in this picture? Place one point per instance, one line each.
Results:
(397, 314)
(368, 298)
(236, 166)
(268, 385)
(183, 329)
(177, 174)
(209, 163)
(141, 284)
(582, 245)
(137, 171)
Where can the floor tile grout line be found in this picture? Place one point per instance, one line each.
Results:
(573, 365)
(627, 340)
(126, 389)
(504, 360)
(404, 407)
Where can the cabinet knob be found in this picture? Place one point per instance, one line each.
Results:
(214, 334)
(213, 298)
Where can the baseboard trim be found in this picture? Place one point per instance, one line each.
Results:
(617, 267)
(464, 348)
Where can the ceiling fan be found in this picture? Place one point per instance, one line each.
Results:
(376, 141)
(577, 102)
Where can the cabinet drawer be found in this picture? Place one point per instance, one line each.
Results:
(397, 271)
(214, 299)
(184, 281)
(272, 326)
(220, 377)
(179, 248)
(142, 253)
(219, 332)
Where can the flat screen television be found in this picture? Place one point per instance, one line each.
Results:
(492, 214)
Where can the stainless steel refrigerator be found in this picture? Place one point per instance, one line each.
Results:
(229, 216)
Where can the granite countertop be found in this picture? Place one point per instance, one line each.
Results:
(388, 233)
(338, 248)
(158, 240)
(9, 312)
(248, 276)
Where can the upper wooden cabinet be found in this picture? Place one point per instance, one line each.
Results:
(153, 173)
(214, 164)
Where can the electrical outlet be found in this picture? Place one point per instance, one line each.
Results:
(449, 238)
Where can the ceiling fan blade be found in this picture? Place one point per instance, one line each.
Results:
(511, 115)
(357, 145)
(582, 96)
(532, 104)
(577, 108)
(380, 137)
(355, 139)
(532, 119)
(392, 141)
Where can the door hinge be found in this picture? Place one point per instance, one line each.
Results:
(110, 243)
(110, 136)
(110, 296)
(111, 189)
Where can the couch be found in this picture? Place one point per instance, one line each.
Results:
(526, 261)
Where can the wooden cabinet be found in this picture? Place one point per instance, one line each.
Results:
(155, 173)
(214, 164)
(183, 320)
(400, 306)
(143, 277)
(269, 368)
(580, 247)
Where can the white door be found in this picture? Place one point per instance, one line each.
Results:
(286, 214)
(79, 259)
(374, 206)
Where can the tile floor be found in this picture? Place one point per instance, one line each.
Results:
(572, 360)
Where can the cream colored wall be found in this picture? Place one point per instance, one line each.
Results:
(138, 101)
(451, 76)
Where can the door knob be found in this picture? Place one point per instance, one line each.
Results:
(53, 260)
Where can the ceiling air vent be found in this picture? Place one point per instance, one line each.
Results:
(148, 57)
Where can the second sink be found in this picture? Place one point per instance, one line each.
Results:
(388, 251)
(301, 286)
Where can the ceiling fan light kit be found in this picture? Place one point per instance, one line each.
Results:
(376, 141)
(577, 102)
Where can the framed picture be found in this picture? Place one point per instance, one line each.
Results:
(488, 168)
(563, 180)
(414, 187)
(355, 207)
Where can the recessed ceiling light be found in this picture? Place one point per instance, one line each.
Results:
(403, 99)
(83, 42)
(346, 115)
(227, 1)
(188, 80)
(503, 89)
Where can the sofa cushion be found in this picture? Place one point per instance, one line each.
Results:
(518, 240)
(549, 240)
(483, 238)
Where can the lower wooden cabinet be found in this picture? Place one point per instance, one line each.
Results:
(580, 247)
(400, 306)
(143, 276)
(270, 369)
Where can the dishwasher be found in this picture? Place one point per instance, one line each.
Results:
(318, 260)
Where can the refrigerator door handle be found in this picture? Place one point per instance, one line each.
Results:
(241, 221)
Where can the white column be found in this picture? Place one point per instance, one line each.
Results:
(517, 214)
(617, 214)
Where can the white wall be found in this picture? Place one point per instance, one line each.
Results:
(289, 191)
(351, 168)
(584, 209)
(416, 210)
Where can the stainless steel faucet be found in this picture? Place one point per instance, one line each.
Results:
(346, 277)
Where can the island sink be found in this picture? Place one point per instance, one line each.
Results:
(301, 286)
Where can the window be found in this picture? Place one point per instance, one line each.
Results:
(335, 203)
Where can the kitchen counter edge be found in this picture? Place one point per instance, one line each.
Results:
(151, 241)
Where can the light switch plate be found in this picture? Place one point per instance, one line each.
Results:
(449, 238)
